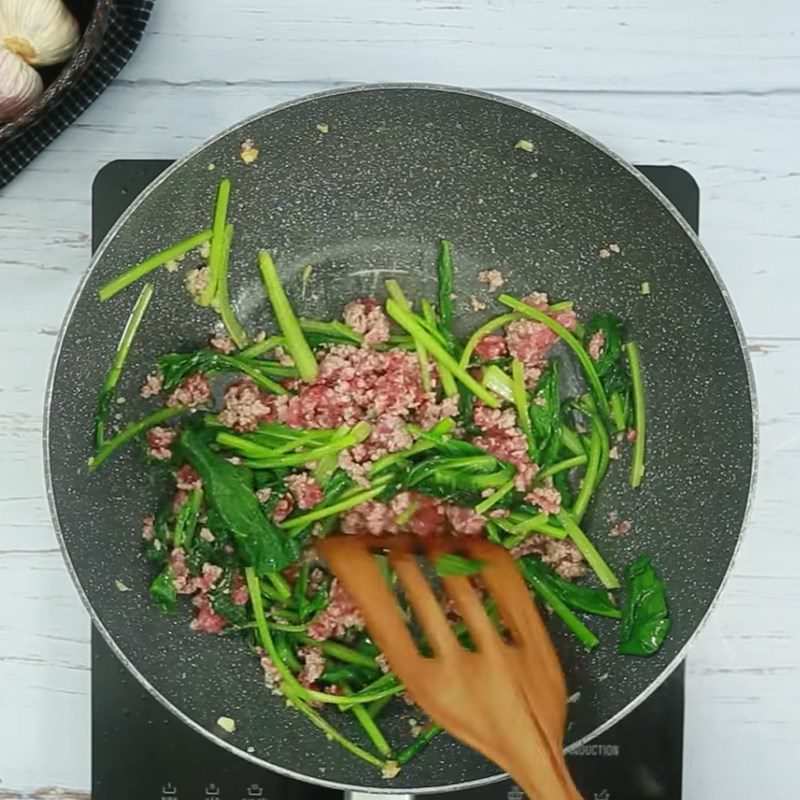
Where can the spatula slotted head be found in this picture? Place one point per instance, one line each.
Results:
(505, 699)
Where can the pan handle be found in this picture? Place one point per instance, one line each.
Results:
(367, 796)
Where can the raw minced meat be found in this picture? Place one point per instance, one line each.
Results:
(160, 441)
(192, 392)
(529, 341)
(490, 347)
(366, 317)
(356, 384)
(222, 343)
(187, 478)
(337, 617)
(305, 490)
(246, 406)
(596, 343)
(621, 528)
(149, 528)
(206, 619)
(196, 281)
(153, 384)
(560, 554)
(283, 508)
(501, 437)
(546, 498)
(313, 665)
(493, 279)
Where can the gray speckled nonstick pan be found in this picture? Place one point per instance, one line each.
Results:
(400, 167)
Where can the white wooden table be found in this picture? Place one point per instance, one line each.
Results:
(711, 85)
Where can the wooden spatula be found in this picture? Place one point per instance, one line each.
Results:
(508, 701)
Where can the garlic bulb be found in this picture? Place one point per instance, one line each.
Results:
(20, 85)
(43, 32)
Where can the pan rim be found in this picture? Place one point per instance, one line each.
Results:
(372, 87)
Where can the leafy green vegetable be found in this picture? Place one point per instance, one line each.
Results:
(588, 551)
(263, 545)
(575, 595)
(163, 592)
(645, 617)
(131, 431)
(172, 253)
(318, 333)
(637, 463)
(495, 380)
(448, 381)
(413, 325)
(219, 243)
(124, 346)
(532, 577)
(419, 744)
(186, 519)
(444, 475)
(221, 300)
(576, 347)
(544, 414)
(395, 292)
(453, 564)
(175, 367)
(444, 267)
(296, 342)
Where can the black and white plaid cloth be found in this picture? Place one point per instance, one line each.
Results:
(127, 21)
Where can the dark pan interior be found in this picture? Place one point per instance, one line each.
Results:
(400, 167)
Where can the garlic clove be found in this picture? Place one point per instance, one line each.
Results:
(43, 32)
(20, 85)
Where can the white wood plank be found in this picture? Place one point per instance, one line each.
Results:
(640, 45)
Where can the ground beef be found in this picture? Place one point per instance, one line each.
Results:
(182, 581)
(432, 411)
(464, 521)
(475, 304)
(272, 677)
(339, 615)
(222, 343)
(305, 490)
(188, 479)
(529, 341)
(283, 508)
(193, 391)
(366, 317)
(153, 384)
(313, 665)
(159, 442)
(429, 518)
(354, 384)
(239, 594)
(149, 528)
(196, 281)
(493, 279)
(560, 554)
(246, 406)
(596, 343)
(631, 435)
(206, 619)
(546, 498)
(491, 346)
(621, 528)
(501, 437)
(371, 517)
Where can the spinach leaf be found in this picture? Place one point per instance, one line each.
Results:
(545, 417)
(444, 267)
(263, 545)
(223, 605)
(589, 599)
(454, 564)
(645, 617)
(163, 592)
(177, 366)
(610, 366)
(448, 474)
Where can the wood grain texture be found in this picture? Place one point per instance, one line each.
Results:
(711, 86)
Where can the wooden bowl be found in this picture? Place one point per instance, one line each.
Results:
(93, 18)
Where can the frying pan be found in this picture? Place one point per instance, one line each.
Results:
(400, 167)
